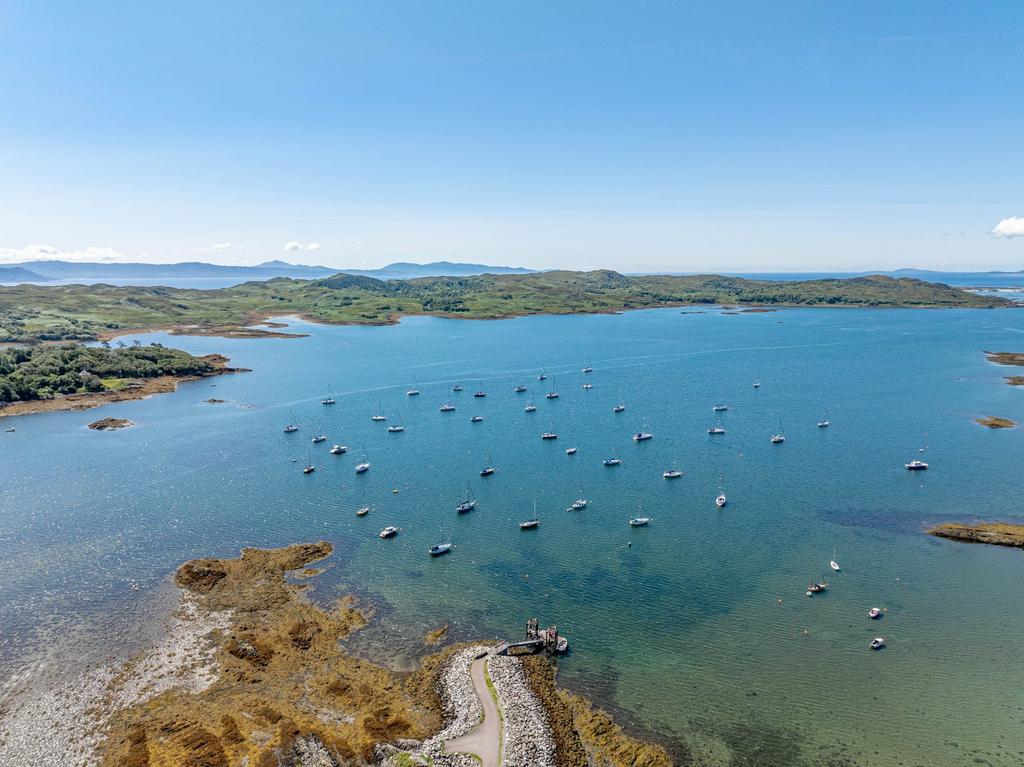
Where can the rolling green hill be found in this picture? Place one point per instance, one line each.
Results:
(30, 313)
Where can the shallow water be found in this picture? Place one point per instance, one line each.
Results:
(700, 629)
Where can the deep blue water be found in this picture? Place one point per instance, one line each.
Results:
(700, 629)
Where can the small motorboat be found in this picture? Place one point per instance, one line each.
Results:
(877, 643)
(720, 500)
(916, 465)
(476, 419)
(612, 461)
(439, 548)
(447, 407)
(549, 435)
(874, 613)
(395, 428)
(757, 384)
(542, 377)
(672, 474)
(362, 512)
(457, 388)
(327, 401)
(716, 430)
(388, 532)
(487, 471)
(11, 430)
(480, 394)
(289, 429)
(570, 451)
(377, 418)
(531, 408)
(338, 449)
(587, 386)
(639, 521)
(578, 505)
(363, 468)
(720, 408)
(619, 409)
(519, 389)
(642, 436)
(816, 587)
(412, 393)
(824, 424)
(529, 524)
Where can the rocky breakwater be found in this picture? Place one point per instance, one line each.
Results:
(994, 533)
(528, 740)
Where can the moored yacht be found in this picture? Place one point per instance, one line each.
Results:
(642, 436)
(587, 386)
(587, 368)
(778, 439)
(529, 524)
(362, 511)
(328, 400)
(439, 548)
(395, 428)
(672, 474)
(468, 504)
(487, 471)
(388, 532)
(720, 501)
(639, 521)
(570, 451)
(612, 461)
(620, 408)
(363, 467)
(318, 438)
(531, 408)
(874, 613)
(476, 419)
(447, 407)
(916, 465)
(480, 394)
(309, 469)
(816, 587)
(338, 449)
(519, 389)
(289, 429)
(549, 435)
(457, 387)
(877, 643)
(720, 408)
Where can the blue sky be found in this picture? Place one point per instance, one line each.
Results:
(637, 136)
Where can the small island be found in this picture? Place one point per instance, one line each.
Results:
(995, 422)
(994, 533)
(1015, 359)
(111, 424)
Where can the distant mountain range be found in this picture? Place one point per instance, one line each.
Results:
(47, 271)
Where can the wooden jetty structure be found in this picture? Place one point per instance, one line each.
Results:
(537, 640)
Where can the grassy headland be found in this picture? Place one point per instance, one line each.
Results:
(31, 313)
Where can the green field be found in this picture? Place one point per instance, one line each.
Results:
(30, 313)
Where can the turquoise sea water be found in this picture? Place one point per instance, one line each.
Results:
(700, 629)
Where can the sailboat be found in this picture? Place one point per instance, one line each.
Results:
(530, 524)
(672, 473)
(824, 423)
(467, 505)
(832, 563)
(489, 469)
(643, 435)
(717, 428)
(720, 408)
(543, 376)
(457, 387)
(551, 434)
(363, 467)
(476, 418)
(570, 451)
(414, 391)
(639, 520)
(319, 436)
(580, 503)
(519, 389)
(720, 501)
(552, 394)
(779, 437)
(309, 468)
(619, 406)
(328, 400)
(530, 408)
(396, 428)
(587, 368)
(612, 461)
(440, 548)
(291, 427)
(379, 415)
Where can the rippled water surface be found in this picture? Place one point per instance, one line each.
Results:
(697, 625)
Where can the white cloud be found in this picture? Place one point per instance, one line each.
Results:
(221, 247)
(1010, 227)
(294, 246)
(50, 253)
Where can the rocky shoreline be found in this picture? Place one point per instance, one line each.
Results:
(250, 672)
(993, 533)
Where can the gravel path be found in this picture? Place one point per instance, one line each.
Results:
(485, 739)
